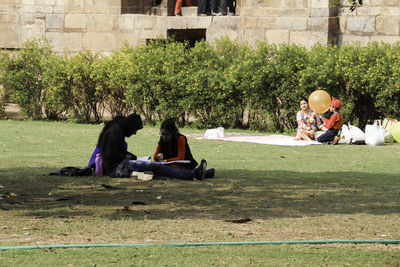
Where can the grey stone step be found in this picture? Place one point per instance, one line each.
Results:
(189, 11)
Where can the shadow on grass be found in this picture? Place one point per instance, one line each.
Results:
(231, 194)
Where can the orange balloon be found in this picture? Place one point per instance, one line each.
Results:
(319, 101)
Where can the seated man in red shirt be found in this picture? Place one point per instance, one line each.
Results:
(333, 124)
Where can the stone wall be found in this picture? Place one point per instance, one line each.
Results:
(376, 20)
(98, 25)
(302, 22)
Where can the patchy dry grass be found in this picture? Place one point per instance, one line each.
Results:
(289, 193)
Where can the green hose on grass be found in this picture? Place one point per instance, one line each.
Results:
(309, 242)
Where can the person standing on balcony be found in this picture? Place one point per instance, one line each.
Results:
(178, 6)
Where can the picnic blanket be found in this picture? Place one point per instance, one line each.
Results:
(275, 139)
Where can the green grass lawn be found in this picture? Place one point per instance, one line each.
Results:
(322, 192)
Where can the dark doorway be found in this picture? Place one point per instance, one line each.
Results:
(141, 6)
(189, 35)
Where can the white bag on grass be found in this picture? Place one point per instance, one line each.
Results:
(351, 134)
(374, 134)
(388, 136)
(217, 133)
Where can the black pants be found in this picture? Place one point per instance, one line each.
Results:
(232, 6)
(328, 136)
(203, 7)
(223, 7)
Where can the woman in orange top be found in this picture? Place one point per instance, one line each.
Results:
(174, 146)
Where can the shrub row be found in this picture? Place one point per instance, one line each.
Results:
(227, 84)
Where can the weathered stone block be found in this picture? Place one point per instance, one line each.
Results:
(361, 24)
(161, 22)
(28, 2)
(66, 41)
(108, 3)
(319, 12)
(389, 25)
(75, 21)
(74, 7)
(189, 11)
(54, 21)
(44, 9)
(125, 22)
(199, 22)
(8, 9)
(318, 24)
(349, 39)
(215, 34)
(12, 18)
(295, 3)
(176, 22)
(370, 10)
(59, 10)
(252, 36)
(248, 22)
(27, 9)
(308, 38)
(295, 12)
(46, 2)
(382, 3)
(27, 18)
(145, 22)
(320, 3)
(385, 39)
(29, 31)
(9, 35)
(100, 23)
(263, 3)
(10, 2)
(226, 22)
(267, 23)
(293, 23)
(152, 34)
(98, 41)
(131, 38)
(102, 10)
(277, 36)
(262, 12)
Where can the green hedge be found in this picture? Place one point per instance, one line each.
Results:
(227, 84)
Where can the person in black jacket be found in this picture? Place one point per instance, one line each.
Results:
(119, 162)
(173, 146)
(112, 142)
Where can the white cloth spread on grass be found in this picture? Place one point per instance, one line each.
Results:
(275, 139)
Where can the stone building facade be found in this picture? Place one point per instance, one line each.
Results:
(376, 20)
(104, 25)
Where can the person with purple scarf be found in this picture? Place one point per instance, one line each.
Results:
(119, 162)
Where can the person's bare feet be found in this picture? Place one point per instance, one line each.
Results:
(336, 140)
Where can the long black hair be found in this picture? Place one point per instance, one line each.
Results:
(303, 98)
(170, 126)
(107, 126)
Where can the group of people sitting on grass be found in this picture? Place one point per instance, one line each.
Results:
(314, 126)
(172, 146)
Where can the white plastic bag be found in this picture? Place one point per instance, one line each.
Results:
(388, 136)
(217, 133)
(351, 134)
(374, 134)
